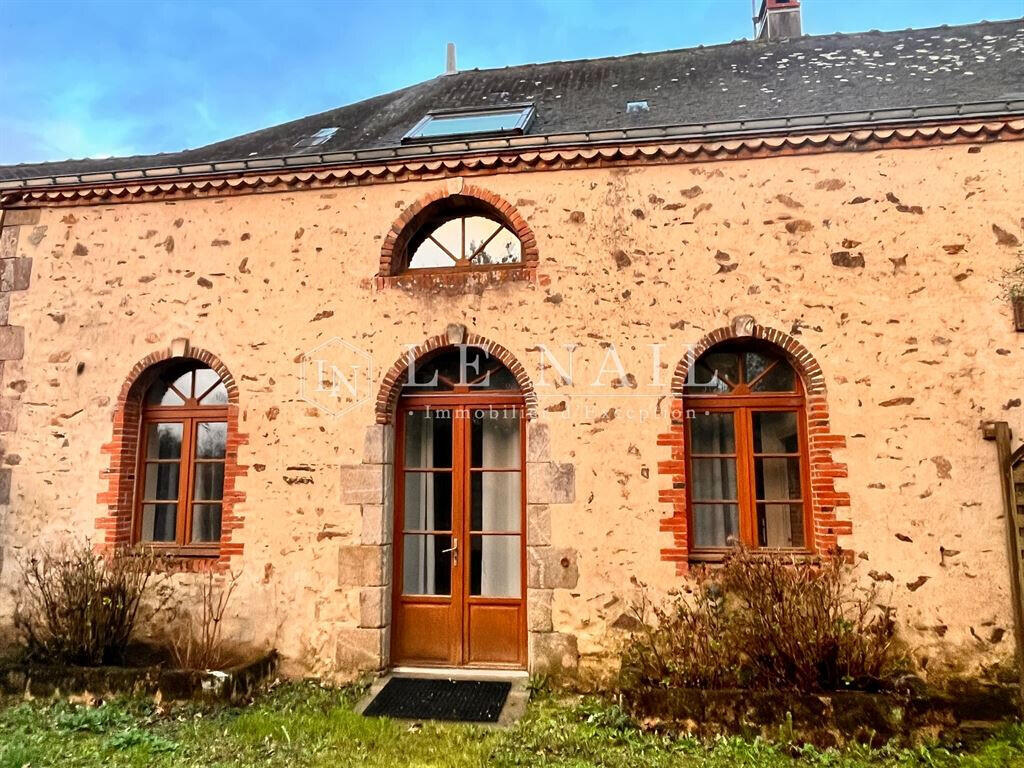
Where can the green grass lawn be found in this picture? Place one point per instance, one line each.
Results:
(301, 724)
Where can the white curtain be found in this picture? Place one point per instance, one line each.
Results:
(500, 504)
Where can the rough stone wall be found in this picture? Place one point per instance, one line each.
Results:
(885, 265)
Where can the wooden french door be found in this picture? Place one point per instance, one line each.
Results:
(460, 575)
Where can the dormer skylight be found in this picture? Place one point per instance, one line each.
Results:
(316, 139)
(476, 123)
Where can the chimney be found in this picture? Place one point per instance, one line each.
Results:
(777, 20)
(449, 68)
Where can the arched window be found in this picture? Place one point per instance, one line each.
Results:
(182, 451)
(463, 233)
(747, 450)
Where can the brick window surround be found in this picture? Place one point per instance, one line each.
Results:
(391, 386)
(823, 469)
(115, 525)
(455, 193)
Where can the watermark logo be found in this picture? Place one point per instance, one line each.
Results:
(336, 376)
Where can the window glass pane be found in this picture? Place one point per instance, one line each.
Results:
(449, 236)
(775, 432)
(496, 501)
(504, 248)
(713, 479)
(715, 525)
(161, 394)
(755, 364)
(209, 481)
(712, 433)
(205, 522)
(777, 479)
(205, 378)
(211, 439)
(495, 438)
(490, 122)
(494, 566)
(428, 501)
(428, 255)
(714, 371)
(428, 438)
(163, 441)
(216, 396)
(781, 378)
(161, 482)
(426, 567)
(780, 525)
(158, 522)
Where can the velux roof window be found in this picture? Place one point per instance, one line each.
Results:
(471, 123)
(316, 139)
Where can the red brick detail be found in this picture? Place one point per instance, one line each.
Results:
(824, 470)
(391, 386)
(393, 256)
(119, 497)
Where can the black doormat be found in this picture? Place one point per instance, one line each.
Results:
(411, 698)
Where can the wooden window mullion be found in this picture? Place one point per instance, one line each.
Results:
(186, 480)
(745, 485)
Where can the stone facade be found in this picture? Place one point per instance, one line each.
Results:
(882, 264)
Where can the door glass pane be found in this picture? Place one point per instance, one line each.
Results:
(496, 501)
(426, 567)
(494, 566)
(428, 501)
(715, 525)
(162, 394)
(163, 441)
(494, 433)
(713, 479)
(209, 481)
(755, 364)
(205, 378)
(211, 439)
(159, 521)
(428, 438)
(712, 433)
(780, 525)
(719, 371)
(206, 522)
(778, 478)
(161, 482)
(775, 432)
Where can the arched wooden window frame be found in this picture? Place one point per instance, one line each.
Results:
(742, 401)
(190, 414)
(455, 199)
(116, 525)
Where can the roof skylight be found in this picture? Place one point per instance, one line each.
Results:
(318, 138)
(471, 123)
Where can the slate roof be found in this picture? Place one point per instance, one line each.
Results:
(846, 79)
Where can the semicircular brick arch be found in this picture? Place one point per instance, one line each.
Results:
(821, 442)
(391, 386)
(801, 359)
(119, 497)
(391, 251)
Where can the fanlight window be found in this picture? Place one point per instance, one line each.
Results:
(459, 369)
(182, 453)
(747, 452)
(465, 241)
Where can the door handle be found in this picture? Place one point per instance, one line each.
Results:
(453, 548)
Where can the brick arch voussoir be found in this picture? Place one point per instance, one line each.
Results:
(391, 385)
(389, 264)
(799, 357)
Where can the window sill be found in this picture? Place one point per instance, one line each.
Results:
(718, 556)
(459, 280)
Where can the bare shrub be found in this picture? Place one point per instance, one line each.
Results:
(200, 644)
(767, 622)
(75, 606)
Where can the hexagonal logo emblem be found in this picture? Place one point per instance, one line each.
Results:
(336, 376)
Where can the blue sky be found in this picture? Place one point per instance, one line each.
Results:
(92, 79)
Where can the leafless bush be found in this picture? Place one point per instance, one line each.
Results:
(200, 644)
(767, 622)
(75, 606)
